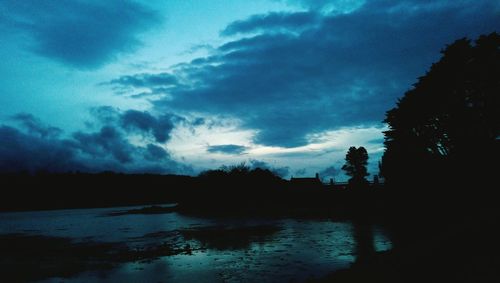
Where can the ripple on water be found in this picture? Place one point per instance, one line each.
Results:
(220, 250)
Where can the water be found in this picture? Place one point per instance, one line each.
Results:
(296, 251)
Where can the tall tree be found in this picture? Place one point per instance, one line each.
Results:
(356, 160)
(449, 122)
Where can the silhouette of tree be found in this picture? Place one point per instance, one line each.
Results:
(449, 122)
(240, 174)
(355, 165)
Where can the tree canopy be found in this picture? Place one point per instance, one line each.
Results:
(450, 120)
(356, 160)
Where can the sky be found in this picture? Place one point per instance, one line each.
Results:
(182, 86)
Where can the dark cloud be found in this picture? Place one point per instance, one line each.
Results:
(155, 153)
(160, 127)
(198, 121)
(141, 122)
(35, 126)
(346, 70)
(278, 21)
(105, 114)
(227, 149)
(146, 80)
(108, 148)
(82, 34)
(133, 119)
(31, 152)
(107, 141)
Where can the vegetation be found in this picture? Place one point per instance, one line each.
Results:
(356, 160)
(448, 125)
(239, 172)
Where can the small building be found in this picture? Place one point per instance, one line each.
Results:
(306, 182)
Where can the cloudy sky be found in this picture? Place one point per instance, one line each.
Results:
(181, 86)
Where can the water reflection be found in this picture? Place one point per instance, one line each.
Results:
(221, 250)
(364, 241)
(229, 237)
(381, 239)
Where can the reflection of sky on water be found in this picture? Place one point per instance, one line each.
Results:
(381, 241)
(299, 250)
